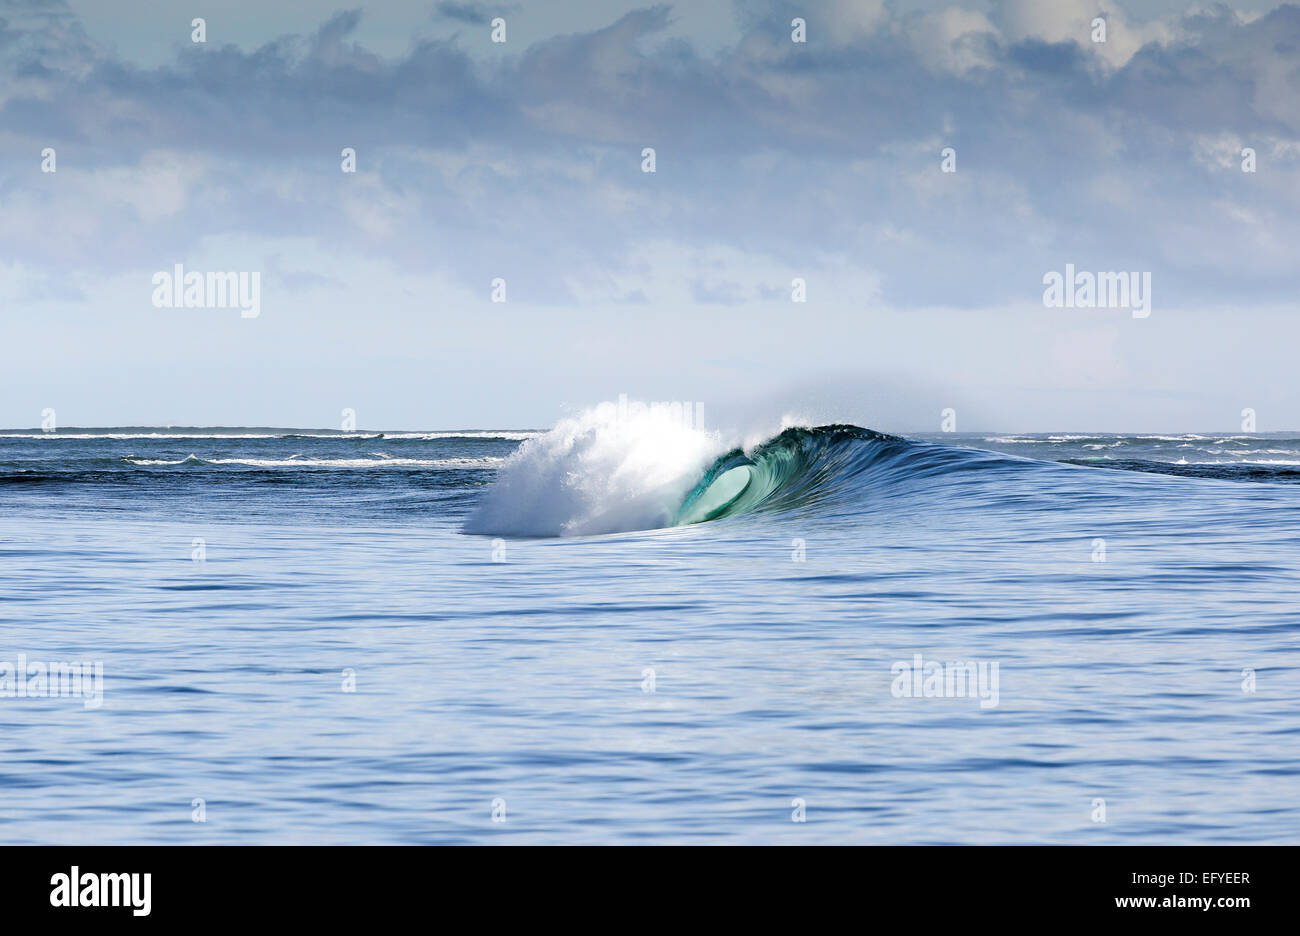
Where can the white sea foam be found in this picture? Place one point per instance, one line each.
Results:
(189, 435)
(606, 470)
(508, 435)
(300, 461)
(1240, 461)
(1023, 440)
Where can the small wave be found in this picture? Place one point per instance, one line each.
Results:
(301, 461)
(1049, 440)
(506, 435)
(1244, 461)
(203, 436)
(1139, 439)
(1282, 471)
(190, 459)
(1242, 458)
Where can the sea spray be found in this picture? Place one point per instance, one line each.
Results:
(608, 469)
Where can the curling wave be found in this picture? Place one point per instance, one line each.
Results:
(600, 474)
(799, 467)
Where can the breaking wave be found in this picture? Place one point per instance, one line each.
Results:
(599, 473)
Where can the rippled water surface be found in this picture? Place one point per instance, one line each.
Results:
(1144, 623)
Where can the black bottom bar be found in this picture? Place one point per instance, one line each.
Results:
(1222, 886)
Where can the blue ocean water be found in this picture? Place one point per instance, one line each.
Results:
(315, 637)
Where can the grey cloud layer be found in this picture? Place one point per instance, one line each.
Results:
(525, 162)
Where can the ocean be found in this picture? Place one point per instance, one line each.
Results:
(634, 631)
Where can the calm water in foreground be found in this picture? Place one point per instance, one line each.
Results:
(1145, 624)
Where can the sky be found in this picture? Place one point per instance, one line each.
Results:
(522, 161)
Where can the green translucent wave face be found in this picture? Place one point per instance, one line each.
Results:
(794, 467)
(714, 500)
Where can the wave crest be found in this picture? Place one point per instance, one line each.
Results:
(608, 470)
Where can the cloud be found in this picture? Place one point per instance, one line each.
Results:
(527, 165)
(471, 14)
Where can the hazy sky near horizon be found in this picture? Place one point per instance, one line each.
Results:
(774, 160)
